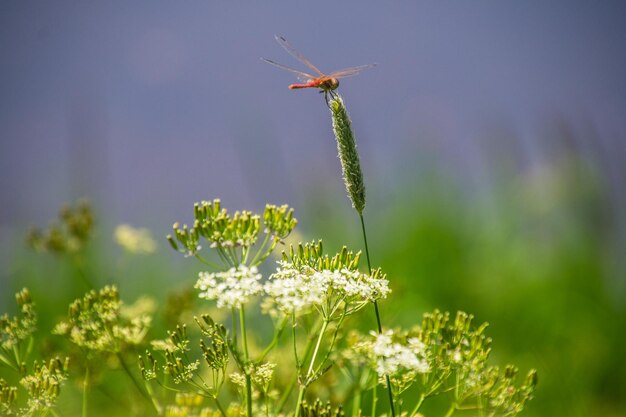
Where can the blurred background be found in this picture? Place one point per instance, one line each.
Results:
(492, 137)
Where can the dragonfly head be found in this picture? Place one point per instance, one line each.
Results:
(330, 84)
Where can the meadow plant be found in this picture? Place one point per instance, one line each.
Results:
(134, 240)
(280, 344)
(68, 234)
(39, 382)
(67, 237)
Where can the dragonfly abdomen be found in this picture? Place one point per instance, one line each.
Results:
(324, 84)
(305, 85)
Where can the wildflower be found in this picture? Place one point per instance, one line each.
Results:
(397, 357)
(133, 240)
(44, 384)
(238, 232)
(393, 357)
(238, 379)
(232, 288)
(178, 369)
(318, 409)
(96, 322)
(69, 234)
(289, 292)
(262, 375)
(163, 345)
(294, 289)
(14, 330)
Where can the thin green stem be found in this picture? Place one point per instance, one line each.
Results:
(233, 255)
(268, 251)
(248, 395)
(256, 256)
(331, 346)
(451, 410)
(135, 381)
(244, 338)
(300, 399)
(245, 250)
(481, 407)
(222, 256)
(246, 357)
(204, 261)
(85, 389)
(5, 359)
(201, 390)
(420, 400)
(378, 322)
(309, 373)
(29, 347)
(226, 256)
(219, 407)
(367, 251)
(295, 344)
(286, 394)
(16, 353)
(233, 324)
(80, 269)
(356, 400)
(154, 400)
(374, 398)
(307, 350)
(455, 389)
(277, 333)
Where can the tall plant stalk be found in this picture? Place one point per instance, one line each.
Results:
(246, 357)
(378, 321)
(85, 390)
(355, 186)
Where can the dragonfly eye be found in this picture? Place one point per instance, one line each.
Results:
(333, 83)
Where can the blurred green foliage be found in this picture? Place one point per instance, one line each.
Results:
(535, 257)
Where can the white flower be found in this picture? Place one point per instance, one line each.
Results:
(232, 288)
(295, 289)
(291, 294)
(262, 375)
(456, 356)
(392, 358)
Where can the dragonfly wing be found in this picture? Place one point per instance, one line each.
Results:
(296, 54)
(302, 76)
(348, 72)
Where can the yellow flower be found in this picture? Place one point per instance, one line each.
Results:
(137, 241)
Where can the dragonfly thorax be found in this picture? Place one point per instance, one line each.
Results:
(329, 84)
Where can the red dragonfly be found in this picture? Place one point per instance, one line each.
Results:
(327, 83)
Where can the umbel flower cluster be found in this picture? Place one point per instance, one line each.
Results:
(97, 323)
(67, 235)
(232, 288)
(40, 382)
(441, 354)
(312, 293)
(307, 278)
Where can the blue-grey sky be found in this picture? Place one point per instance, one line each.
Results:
(146, 107)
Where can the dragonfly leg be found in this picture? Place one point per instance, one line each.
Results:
(326, 99)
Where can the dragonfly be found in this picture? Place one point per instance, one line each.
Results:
(327, 83)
